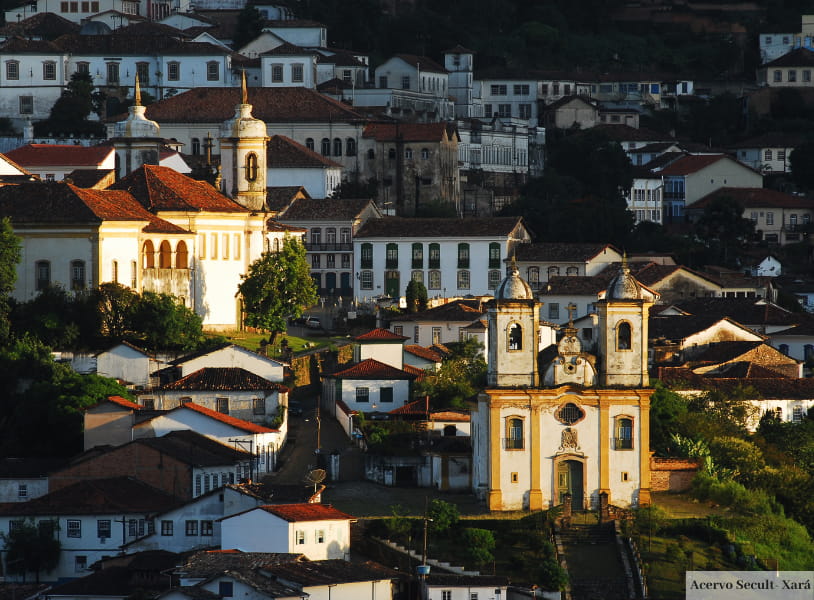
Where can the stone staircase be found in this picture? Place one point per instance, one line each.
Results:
(594, 563)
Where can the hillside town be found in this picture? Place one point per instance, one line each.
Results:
(284, 319)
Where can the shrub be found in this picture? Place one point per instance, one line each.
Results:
(444, 515)
(480, 545)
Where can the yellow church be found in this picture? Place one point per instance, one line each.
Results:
(561, 422)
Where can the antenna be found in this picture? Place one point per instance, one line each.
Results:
(315, 476)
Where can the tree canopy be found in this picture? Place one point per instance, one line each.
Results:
(416, 295)
(9, 257)
(278, 286)
(32, 548)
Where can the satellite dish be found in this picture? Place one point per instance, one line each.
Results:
(316, 476)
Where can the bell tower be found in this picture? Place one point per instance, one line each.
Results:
(623, 321)
(243, 155)
(136, 140)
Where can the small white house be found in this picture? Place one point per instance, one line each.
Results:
(447, 586)
(318, 531)
(368, 386)
(52, 162)
(382, 345)
(231, 355)
(110, 422)
(768, 267)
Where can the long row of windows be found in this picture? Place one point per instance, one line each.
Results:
(220, 247)
(330, 261)
(210, 481)
(433, 280)
(112, 71)
(328, 148)
(330, 235)
(791, 75)
(433, 255)
(515, 431)
(385, 395)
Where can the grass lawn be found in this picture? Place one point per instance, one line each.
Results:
(297, 344)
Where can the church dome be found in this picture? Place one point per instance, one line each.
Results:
(624, 286)
(137, 125)
(514, 287)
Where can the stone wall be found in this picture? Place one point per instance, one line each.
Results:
(672, 474)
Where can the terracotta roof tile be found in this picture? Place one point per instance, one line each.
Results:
(118, 400)
(371, 369)
(425, 353)
(320, 573)
(756, 198)
(280, 197)
(380, 335)
(458, 310)
(295, 513)
(419, 374)
(402, 227)
(272, 105)
(325, 209)
(692, 163)
(283, 152)
(422, 62)
(45, 25)
(408, 132)
(18, 45)
(767, 388)
(115, 44)
(223, 378)
(552, 251)
(799, 57)
(679, 327)
(233, 421)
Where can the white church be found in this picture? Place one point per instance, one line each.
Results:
(154, 229)
(557, 423)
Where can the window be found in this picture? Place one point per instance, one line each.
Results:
(135, 527)
(326, 147)
(22, 490)
(213, 245)
(792, 75)
(300, 537)
(494, 255)
(569, 414)
(781, 155)
(463, 256)
(417, 276)
(386, 395)
(49, 70)
(382, 81)
(259, 406)
(173, 71)
(504, 111)
(418, 256)
(212, 71)
(166, 528)
(514, 433)
(797, 414)
(425, 153)
(474, 595)
(521, 89)
(207, 527)
(74, 528)
(309, 143)
(770, 218)
(143, 72)
(515, 338)
(251, 166)
(446, 594)
(191, 528)
(524, 111)
(408, 153)
(392, 256)
(366, 280)
(26, 105)
(533, 276)
(297, 73)
(78, 275)
(43, 274)
(320, 536)
(350, 147)
(777, 76)
(553, 310)
(337, 147)
(80, 563)
(148, 403)
(435, 256)
(103, 528)
(405, 82)
(222, 405)
(416, 333)
(463, 280)
(391, 154)
(366, 257)
(494, 279)
(112, 73)
(487, 110)
(12, 70)
(362, 394)
(624, 433)
(83, 67)
(434, 280)
(623, 336)
(807, 75)
(498, 90)
(767, 155)
(226, 589)
(347, 75)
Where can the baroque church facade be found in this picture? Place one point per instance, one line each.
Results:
(561, 423)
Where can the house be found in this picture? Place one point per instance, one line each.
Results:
(196, 525)
(621, 113)
(792, 69)
(540, 261)
(368, 386)
(768, 153)
(448, 586)
(796, 342)
(318, 531)
(692, 177)
(415, 73)
(227, 355)
(416, 163)
(645, 198)
(459, 256)
(459, 62)
(382, 345)
(228, 390)
(330, 227)
(92, 519)
(779, 218)
(681, 337)
(421, 357)
(571, 111)
(79, 12)
(52, 162)
(175, 463)
(110, 422)
(123, 361)
(760, 315)
(22, 479)
(507, 95)
(768, 267)
(39, 26)
(290, 163)
(441, 324)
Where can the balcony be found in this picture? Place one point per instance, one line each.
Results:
(329, 247)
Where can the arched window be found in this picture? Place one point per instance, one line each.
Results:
(350, 147)
(337, 147)
(366, 256)
(149, 255)
(494, 255)
(553, 271)
(435, 256)
(533, 276)
(623, 435)
(164, 255)
(514, 433)
(515, 337)
(623, 336)
(251, 167)
(418, 255)
(425, 153)
(330, 235)
(572, 271)
(326, 147)
(266, 245)
(309, 143)
(181, 256)
(276, 244)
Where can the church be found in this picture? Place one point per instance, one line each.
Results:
(559, 422)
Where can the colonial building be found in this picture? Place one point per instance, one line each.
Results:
(564, 425)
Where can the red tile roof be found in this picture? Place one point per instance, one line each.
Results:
(372, 369)
(306, 512)
(233, 421)
(380, 335)
(45, 155)
(693, 163)
(424, 63)
(327, 209)
(419, 373)
(124, 403)
(403, 227)
(223, 378)
(416, 407)
(408, 132)
(422, 352)
(757, 198)
(161, 188)
(283, 152)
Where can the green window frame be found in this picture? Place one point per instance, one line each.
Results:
(435, 256)
(418, 255)
(367, 256)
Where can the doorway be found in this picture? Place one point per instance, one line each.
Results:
(570, 481)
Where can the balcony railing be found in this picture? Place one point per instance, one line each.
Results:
(334, 247)
(623, 443)
(513, 443)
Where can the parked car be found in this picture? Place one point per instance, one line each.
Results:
(313, 323)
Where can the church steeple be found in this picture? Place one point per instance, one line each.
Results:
(243, 141)
(137, 139)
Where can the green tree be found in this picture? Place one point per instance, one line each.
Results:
(724, 228)
(667, 409)
(9, 258)
(115, 305)
(32, 547)
(71, 110)
(801, 162)
(278, 286)
(479, 545)
(461, 376)
(444, 515)
(416, 295)
(161, 322)
(249, 25)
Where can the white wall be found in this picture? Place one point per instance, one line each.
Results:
(235, 356)
(401, 394)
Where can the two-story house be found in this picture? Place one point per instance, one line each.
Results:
(770, 152)
(538, 262)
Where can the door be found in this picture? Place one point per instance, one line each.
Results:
(391, 284)
(345, 283)
(330, 283)
(570, 481)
